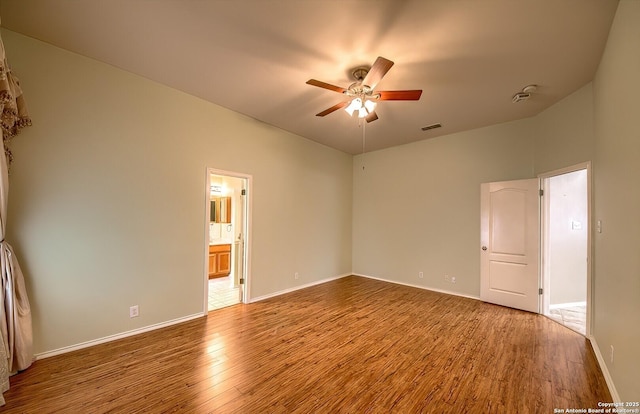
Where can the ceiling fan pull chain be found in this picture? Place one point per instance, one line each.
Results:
(364, 124)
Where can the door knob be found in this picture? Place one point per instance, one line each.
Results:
(484, 247)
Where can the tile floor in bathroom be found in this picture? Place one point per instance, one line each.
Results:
(574, 317)
(223, 293)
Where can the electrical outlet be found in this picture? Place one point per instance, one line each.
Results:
(453, 279)
(612, 354)
(134, 311)
(420, 275)
(296, 275)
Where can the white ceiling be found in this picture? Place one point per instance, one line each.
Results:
(254, 56)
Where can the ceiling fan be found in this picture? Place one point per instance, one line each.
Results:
(361, 95)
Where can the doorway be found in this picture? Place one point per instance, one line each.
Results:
(227, 228)
(566, 247)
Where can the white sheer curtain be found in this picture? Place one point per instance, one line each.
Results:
(16, 338)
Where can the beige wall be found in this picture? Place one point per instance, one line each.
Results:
(617, 200)
(107, 203)
(564, 133)
(416, 207)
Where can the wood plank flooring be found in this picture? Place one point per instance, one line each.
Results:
(353, 345)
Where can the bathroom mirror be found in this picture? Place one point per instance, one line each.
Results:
(220, 210)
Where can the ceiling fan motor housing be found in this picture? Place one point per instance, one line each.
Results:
(358, 89)
(360, 73)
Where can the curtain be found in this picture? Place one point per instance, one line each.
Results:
(16, 338)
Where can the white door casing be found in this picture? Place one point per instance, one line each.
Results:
(241, 256)
(240, 243)
(545, 270)
(510, 243)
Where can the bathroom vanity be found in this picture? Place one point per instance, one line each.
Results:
(219, 260)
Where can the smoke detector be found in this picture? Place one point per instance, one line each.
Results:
(524, 94)
(520, 96)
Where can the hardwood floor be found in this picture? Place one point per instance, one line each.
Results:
(353, 345)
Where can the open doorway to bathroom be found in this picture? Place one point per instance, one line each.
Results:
(227, 235)
(566, 241)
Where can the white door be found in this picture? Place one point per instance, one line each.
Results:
(510, 243)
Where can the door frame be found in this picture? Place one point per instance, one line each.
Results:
(545, 280)
(246, 224)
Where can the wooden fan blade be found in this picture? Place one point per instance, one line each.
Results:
(371, 117)
(333, 108)
(412, 95)
(325, 85)
(380, 68)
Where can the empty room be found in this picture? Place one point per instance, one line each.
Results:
(320, 206)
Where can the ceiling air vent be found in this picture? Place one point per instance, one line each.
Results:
(432, 126)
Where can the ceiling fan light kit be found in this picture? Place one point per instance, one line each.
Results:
(363, 99)
(364, 108)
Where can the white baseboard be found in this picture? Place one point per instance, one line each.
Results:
(447, 292)
(293, 289)
(115, 337)
(605, 371)
(110, 338)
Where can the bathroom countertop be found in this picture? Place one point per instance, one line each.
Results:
(219, 242)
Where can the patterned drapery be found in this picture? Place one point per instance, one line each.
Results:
(16, 337)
